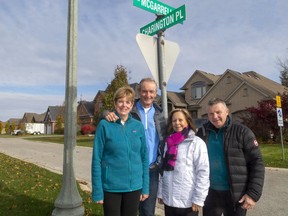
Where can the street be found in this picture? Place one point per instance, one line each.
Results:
(50, 156)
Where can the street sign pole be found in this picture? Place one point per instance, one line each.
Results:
(161, 71)
(280, 122)
(166, 18)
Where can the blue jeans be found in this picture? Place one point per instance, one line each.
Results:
(147, 207)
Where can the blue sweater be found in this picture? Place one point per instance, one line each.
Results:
(120, 158)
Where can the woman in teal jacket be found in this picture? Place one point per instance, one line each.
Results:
(120, 169)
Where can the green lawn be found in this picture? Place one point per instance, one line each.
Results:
(28, 190)
(272, 153)
(81, 140)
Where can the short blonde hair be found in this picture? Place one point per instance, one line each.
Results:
(125, 91)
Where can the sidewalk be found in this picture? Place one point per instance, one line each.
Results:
(50, 156)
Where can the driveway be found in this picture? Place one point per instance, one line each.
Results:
(50, 156)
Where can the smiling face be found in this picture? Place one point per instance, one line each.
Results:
(123, 107)
(147, 93)
(217, 114)
(179, 121)
(123, 101)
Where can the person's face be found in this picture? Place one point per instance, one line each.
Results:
(217, 115)
(147, 93)
(179, 121)
(123, 106)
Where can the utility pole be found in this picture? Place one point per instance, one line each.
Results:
(69, 201)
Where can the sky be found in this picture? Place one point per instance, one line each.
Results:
(217, 35)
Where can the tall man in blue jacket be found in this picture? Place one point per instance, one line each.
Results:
(236, 165)
(152, 117)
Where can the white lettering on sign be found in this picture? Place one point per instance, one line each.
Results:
(163, 23)
(160, 9)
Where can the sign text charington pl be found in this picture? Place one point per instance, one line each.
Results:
(176, 16)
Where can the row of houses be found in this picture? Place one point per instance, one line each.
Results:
(239, 90)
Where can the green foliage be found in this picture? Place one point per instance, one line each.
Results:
(120, 79)
(13, 126)
(59, 123)
(7, 126)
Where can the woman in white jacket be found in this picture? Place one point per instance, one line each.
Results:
(184, 185)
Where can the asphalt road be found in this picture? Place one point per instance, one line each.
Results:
(50, 156)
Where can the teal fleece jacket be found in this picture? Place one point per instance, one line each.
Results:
(120, 159)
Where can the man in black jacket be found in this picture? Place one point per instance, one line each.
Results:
(236, 166)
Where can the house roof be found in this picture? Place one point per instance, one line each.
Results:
(88, 106)
(33, 117)
(211, 78)
(100, 92)
(53, 112)
(177, 98)
(264, 84)
(39, 117)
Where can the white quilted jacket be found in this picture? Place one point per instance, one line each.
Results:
(189, 181)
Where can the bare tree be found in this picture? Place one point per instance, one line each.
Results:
(283, 71)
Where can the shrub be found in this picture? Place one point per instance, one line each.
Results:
(87, 129)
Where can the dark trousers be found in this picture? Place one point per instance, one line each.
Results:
(147, 207)
(121, 204)
(218, 202)
(172, 211)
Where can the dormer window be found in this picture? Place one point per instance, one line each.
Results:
(228, 80)
(198, 90)
(245, 92)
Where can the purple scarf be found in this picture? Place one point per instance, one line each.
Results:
(173, 141)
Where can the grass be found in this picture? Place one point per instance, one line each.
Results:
(86, 141)
(272, 153)
(28, 190)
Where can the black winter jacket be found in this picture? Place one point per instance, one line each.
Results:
(246, 169)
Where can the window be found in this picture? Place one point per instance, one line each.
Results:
(245, 92)
(198, 90)
(228, 80)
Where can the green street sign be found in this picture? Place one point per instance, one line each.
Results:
(176, 16)
(153, 6)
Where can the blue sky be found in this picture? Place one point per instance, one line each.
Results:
(241, 35)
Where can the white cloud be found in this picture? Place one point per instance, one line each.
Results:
(242, 35)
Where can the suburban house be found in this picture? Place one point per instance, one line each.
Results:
(85, 112)
(53, 114)
(33, 123)
(33, 118)
(238, 90)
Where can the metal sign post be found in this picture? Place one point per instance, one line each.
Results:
(280, 122)
(166, 18)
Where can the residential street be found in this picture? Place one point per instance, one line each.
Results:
(50, 156)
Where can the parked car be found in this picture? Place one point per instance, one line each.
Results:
(17, 132)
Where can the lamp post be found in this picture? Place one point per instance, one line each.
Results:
(69, 201)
